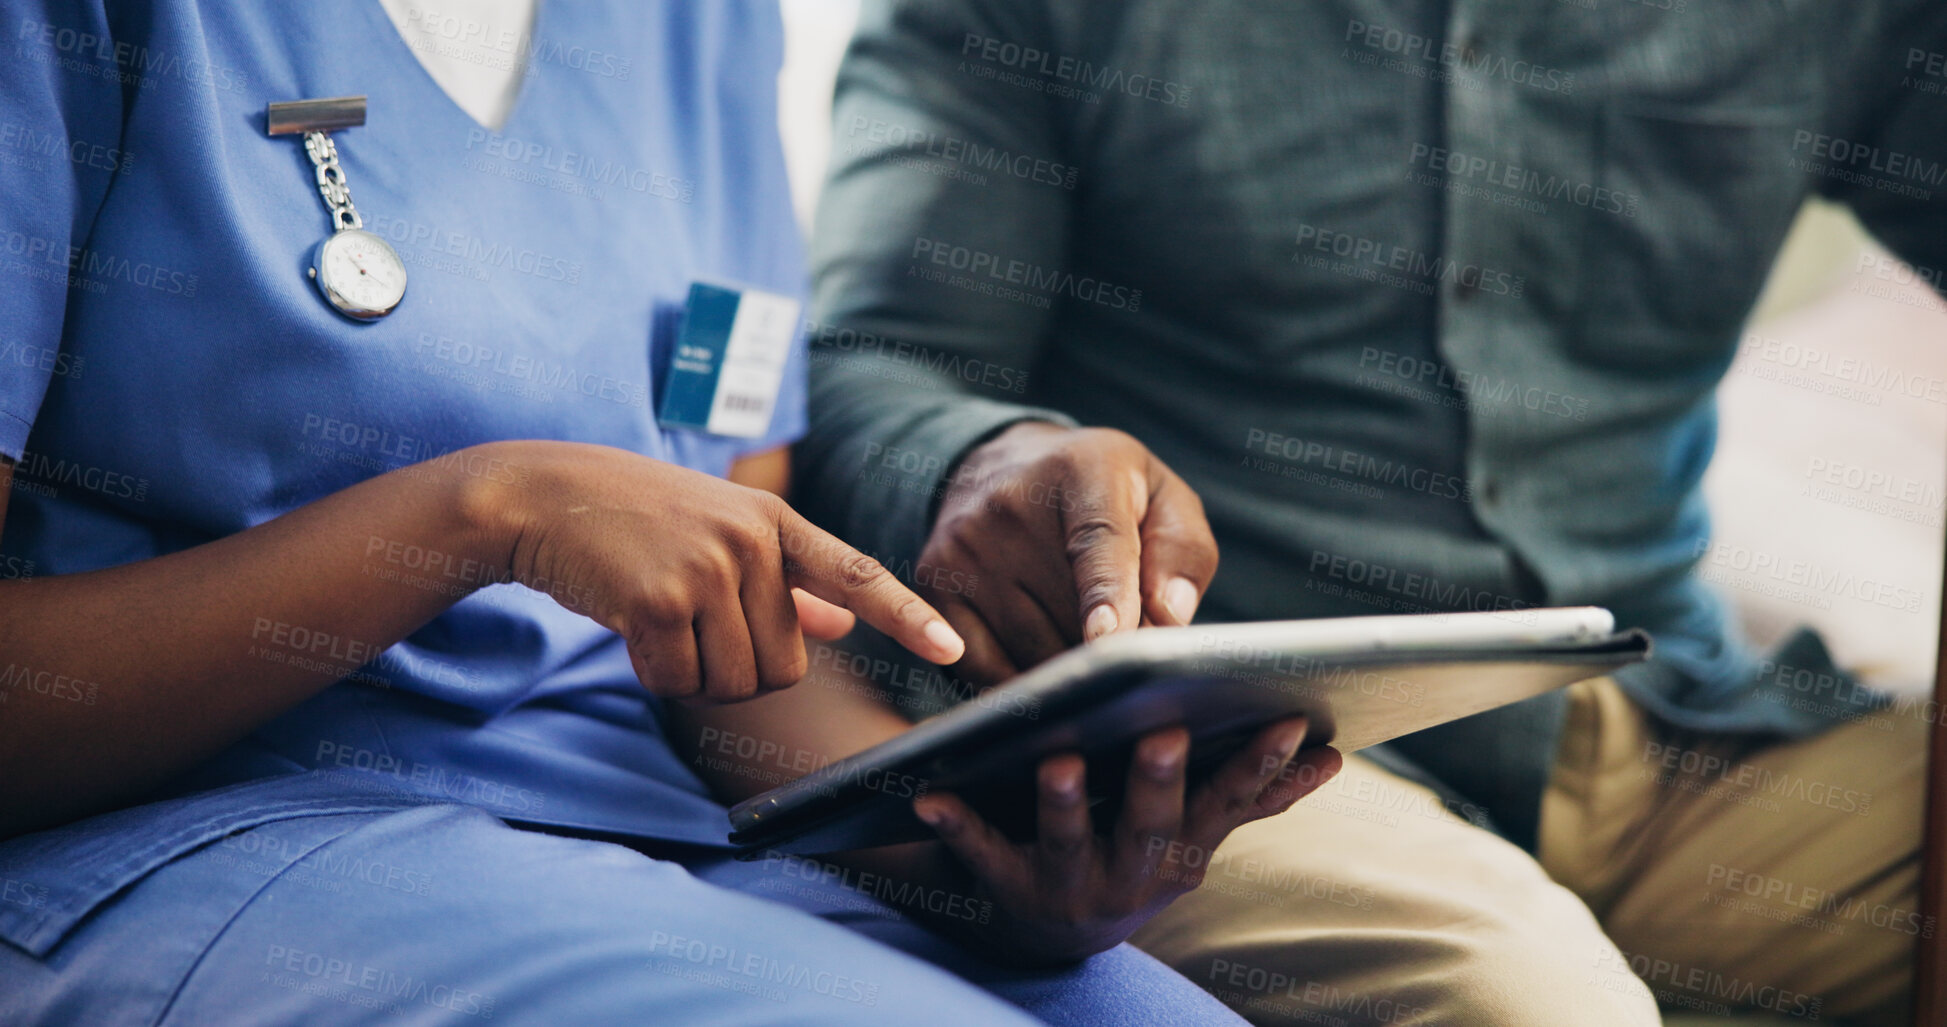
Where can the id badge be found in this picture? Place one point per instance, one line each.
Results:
(729, 361)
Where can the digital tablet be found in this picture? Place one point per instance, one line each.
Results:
(1359, 680)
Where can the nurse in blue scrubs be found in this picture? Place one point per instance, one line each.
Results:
(334, 653)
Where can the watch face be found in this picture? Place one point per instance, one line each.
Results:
(360, 274)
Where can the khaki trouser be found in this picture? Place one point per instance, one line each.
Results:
(1732, 876)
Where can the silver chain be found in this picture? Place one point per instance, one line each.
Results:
(331, 181)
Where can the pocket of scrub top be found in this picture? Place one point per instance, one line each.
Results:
(61, 875)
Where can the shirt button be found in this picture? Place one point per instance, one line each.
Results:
(1470, 48)
(1464, 290)
(1490, 491)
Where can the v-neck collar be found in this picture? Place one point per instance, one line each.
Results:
(380, 24)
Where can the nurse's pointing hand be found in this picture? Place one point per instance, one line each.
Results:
(712, 585)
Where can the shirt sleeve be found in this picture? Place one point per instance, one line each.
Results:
(61, 98)
(902, 364)
(1892, 130)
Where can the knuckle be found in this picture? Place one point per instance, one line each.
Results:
(733, 681)
(955, 523)
(769, 506)
(1235, 807)
(1062, 845)
(664, 611)
(1190, 499)
(961, 524)
(744, 539)
(783, 672)
(1063, 459)
(908, 610)
(722, 565)
(1274, 796)
(1109, 436)
(706, 570)
(1152, 837)
(674, 686)
(1192, 535)
(1202, 554)
(951, 552)
(1092, 531)
(1150, 831)
(998, 513)
(857, 571)
(1106, 447)
(801, 546)
(1097, 593)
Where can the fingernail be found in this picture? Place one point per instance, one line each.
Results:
(1068, 787)
(1290, 737)
(1165, 763)
(1180, 595)
(934, 817)
(1101, 621)
(946, 641)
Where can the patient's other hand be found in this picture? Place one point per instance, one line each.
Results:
(1069, 893)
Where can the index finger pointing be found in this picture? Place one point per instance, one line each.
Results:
(1101, 530)
(816, 561)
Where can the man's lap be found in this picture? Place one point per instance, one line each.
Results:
(1746, 873)
(1370, 903)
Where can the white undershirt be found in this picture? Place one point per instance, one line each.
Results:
(475, 49)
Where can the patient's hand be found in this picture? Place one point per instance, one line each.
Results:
(1068, 893)
(1049, 536)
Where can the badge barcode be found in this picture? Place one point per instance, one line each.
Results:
(744, 403)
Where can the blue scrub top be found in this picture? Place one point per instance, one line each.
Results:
(171, 376)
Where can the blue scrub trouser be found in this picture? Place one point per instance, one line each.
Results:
(444, 914)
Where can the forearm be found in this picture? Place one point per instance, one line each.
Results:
(748, 748)
(167, 661)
